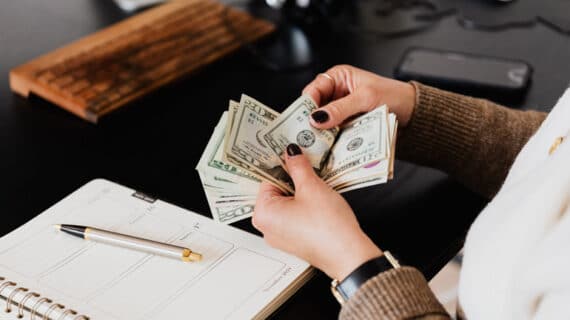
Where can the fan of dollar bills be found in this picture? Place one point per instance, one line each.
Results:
(248, 146)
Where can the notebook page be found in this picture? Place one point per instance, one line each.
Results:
(238, 276)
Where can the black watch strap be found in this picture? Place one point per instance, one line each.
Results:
(348, 287)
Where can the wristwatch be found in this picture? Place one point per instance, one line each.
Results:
(343, 290)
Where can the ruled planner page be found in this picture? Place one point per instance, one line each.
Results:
(237, 278)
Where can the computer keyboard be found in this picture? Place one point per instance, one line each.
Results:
(110, 68)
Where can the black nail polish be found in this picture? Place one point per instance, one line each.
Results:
(293, 150)
(320, 116)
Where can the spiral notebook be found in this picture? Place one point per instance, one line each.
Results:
(59, 277)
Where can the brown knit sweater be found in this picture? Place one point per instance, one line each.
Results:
(475, 141)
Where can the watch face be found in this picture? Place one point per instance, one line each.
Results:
(343, 290)
(336, 293)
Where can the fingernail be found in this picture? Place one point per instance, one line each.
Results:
(320, 116)
(293, 150)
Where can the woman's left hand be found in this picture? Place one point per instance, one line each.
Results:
(316, 224)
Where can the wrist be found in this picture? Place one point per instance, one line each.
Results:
(358, 253)
(345, 289)
(408, 103)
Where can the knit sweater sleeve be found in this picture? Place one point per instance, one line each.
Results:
(394, 295)
(473, 140)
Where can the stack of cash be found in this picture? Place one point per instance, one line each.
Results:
(249, 145)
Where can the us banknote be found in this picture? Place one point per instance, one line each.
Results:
(224, 182)
(249, 146)
(363, 140)
(293, 126)
(246, 147)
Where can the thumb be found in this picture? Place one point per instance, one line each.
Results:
(299, 167)
(336, 112)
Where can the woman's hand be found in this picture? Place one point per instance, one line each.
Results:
(316, 224)
(344, 91)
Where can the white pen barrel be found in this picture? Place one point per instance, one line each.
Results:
(135, 243)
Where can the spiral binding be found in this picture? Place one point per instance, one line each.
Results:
(34, 311)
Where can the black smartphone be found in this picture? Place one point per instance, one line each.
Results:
(498, 79)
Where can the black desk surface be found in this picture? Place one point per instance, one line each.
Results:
(154, 145)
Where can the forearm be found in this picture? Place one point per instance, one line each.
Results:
(395, 294)
(474, 140)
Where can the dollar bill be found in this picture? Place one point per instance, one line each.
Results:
(361, 142)
(229, 213)
(218, 172)
(293, 126)
(233, 214)
(232, 110)
(372, 170)
(373, 173)
(230, 191)
(249, 142)
(372, 181)
(247, 149)
(392, 135)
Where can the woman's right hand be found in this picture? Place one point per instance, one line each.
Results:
(344, 91)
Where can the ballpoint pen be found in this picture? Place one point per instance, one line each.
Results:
(130, 242)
